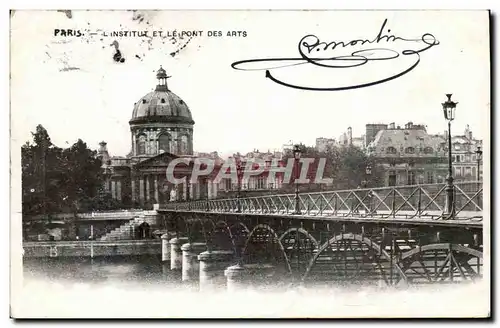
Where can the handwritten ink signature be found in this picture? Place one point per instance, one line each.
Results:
(345, 54)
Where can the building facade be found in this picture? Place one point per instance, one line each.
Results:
(161, 130)
(467, 166)
(408, 155)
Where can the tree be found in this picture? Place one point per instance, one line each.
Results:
(56, 180)
(346, 166)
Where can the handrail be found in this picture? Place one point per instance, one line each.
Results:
(410, 201)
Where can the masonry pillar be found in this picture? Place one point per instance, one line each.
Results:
(141, 190)
(157, 199)
(184, 190)
(133, 191)
(148, 189)
(113, 189)
(190, 264)
(235, 278)
(119, 190)
(165, 248)
(176, 252)
(212, 265)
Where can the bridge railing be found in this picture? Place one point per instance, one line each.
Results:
(427, 200)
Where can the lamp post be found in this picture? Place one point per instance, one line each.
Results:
(449, 107)
(238, 173)
(479, 157)
(296, 155)
(368, 173)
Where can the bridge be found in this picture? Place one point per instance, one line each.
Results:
(394, 236)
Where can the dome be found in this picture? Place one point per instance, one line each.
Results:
(161, 105)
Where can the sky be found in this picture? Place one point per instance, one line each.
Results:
(75, 90)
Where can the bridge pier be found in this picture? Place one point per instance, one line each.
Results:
(235, 277)
(212, 265)
(165, 248)
(176, 252)
(190, 265)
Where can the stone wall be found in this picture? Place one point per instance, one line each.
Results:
(95, 248)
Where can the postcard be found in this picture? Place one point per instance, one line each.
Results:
(250, 164)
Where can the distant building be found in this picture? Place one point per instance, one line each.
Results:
(259, 182)
(407, 155)
(345, 139)
(322, 144)
(464, 156)
(161, 129)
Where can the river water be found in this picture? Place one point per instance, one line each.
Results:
(140, 287)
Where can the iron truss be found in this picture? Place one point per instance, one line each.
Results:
(402, 202)
(389, 236)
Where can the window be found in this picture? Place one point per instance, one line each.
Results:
(144, 101)
(474, 173)
(260, 183)
(410, 150)
(430, 177)
(428, 150)
(164, 143)
(141, 145)
(162, 100)
(411, 178)
(457, 147)
(458, 158)
(392, 179)
(183, 145)
(181, 102)
(391, 150)
(227, 183)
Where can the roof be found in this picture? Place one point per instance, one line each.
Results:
(400, 142)
(161, 106)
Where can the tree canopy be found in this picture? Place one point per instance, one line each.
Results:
(56, 180)
(345, 165)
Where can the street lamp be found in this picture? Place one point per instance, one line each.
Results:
(479, 156)
(238, 173)
(296, 155)
(449, 107)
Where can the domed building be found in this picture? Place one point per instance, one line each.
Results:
(161, 130)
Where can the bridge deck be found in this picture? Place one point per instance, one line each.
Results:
(409, 218)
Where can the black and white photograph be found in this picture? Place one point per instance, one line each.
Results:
(177, 164)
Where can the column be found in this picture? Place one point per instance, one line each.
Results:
(119, 190)
(141, 190)
(134, 151)
(184, 190)
(148, 190)
(176, 252)
(133, 191)
(235, 277)
(191, 195)
(212, 265)
(113, 189)
(165, 248)
(157, 199)
(190, 264)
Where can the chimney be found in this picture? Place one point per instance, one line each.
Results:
(103, 152)
(392, 125)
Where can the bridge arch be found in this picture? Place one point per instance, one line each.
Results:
(264, 243)
(299, 231)
(441, 262)
(350, 249)
(299, 246)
